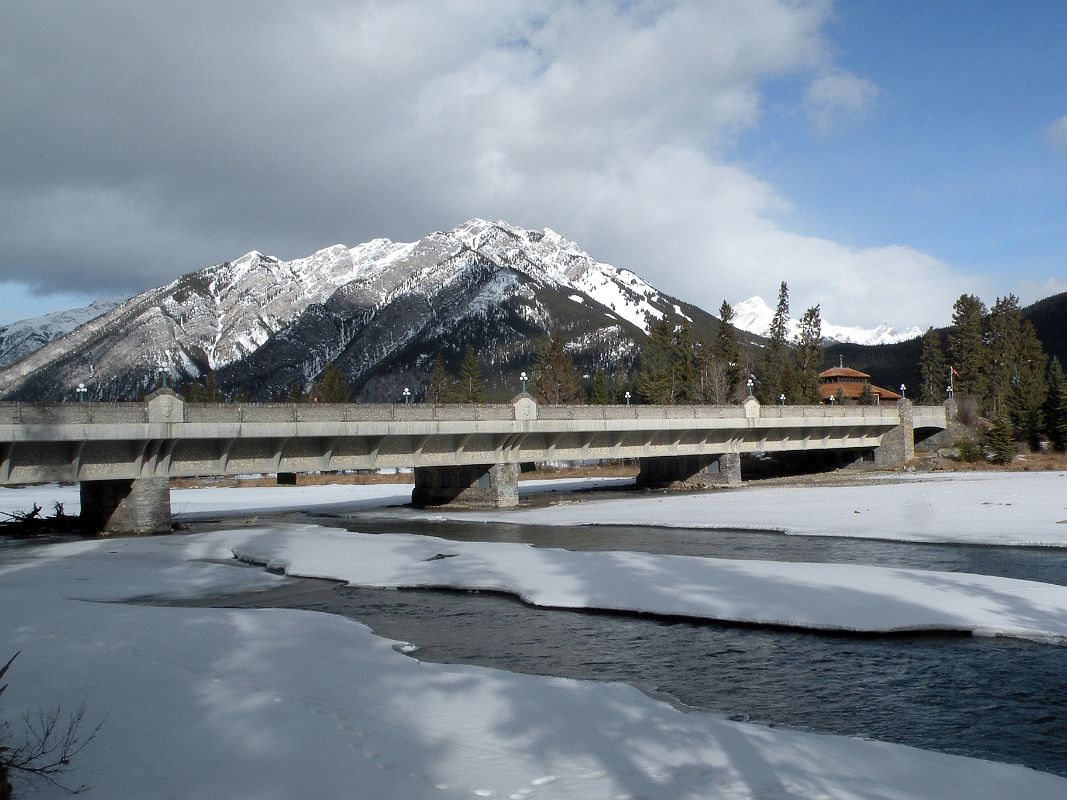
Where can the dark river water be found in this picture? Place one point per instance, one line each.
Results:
(999, 699)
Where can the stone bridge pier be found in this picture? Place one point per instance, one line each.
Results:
(484, 485)
(126, 506)
(698, 472)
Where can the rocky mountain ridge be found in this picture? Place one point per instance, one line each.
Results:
(380, 310)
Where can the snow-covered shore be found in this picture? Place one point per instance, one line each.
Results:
(841, 597)
(214, 703)
(993, 508)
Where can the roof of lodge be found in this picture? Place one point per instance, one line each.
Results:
(854, 391)
(843, 372)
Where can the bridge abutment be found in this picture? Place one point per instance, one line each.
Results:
(699, 472)
(480, 485)
(126, 506)
(897, 446)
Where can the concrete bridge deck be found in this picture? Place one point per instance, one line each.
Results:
(465, 452)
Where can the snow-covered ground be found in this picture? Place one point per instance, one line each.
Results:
(995, 508)
(825, 596)
(214, 703)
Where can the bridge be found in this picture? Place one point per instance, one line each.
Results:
(124, 454)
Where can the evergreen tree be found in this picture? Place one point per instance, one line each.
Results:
(932, 369)
(471, 385)
(557, 380)
(440, 382)
(296, 395)
(1000, 441)
(777, 368)
(726, 354)
(867, 397)
(966, 347)
(656, 382)
(1028, 388)
(1002, 340)
(331, 387)
(684, 360)
(1056, 405)
(810, 355)
(601, 394)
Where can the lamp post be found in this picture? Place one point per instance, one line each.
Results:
(749, 384)
(407, 396)
(627, 396)
(163, 376)
(523, 378)
(781, 399)
(948, 391)
(903, 389)
(831, 399)
(81, 392)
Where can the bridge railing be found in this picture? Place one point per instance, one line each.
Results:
(72, 413)
(104, 413)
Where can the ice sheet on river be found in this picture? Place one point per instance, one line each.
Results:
(272, 704)
(845, 597)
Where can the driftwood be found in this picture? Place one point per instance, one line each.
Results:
(31, 523)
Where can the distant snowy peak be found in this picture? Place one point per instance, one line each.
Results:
(755, 316)
(23, 337)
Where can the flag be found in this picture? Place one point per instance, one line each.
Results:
(952, 371)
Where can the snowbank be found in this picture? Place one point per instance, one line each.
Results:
(265, 704)
(1015, 508)
(846, 597)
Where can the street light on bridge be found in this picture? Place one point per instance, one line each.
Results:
(523, 378)
(749, 384)
(903, 389)
(81, 390)
(781, 399)
(407, 396)
(627, 396)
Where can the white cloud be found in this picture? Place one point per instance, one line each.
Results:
(289, 130)
(1056, 133)
(837, 96)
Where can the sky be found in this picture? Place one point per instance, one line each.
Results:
(881, 157)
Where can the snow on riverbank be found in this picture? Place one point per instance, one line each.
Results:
(212, 501)
(846, 597)
(214, 703)
(995, 508)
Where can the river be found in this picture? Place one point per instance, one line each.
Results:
(998, 699)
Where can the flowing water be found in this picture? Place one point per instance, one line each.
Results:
(999, 699)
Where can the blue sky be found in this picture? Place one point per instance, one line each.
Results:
(880, 157)
(951, 156)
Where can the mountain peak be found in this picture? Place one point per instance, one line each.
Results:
(754, 315)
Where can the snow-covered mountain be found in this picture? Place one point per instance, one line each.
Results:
(380, 310)
(19, 339)
(754, 315)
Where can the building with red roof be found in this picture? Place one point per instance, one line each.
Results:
(844, 384)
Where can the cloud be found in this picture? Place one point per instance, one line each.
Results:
(202, 131)
(1056, 134)
(835, 97)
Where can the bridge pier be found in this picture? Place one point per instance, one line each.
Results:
(479, 485)
(897, 446)
(698, 472)
(126, 506)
